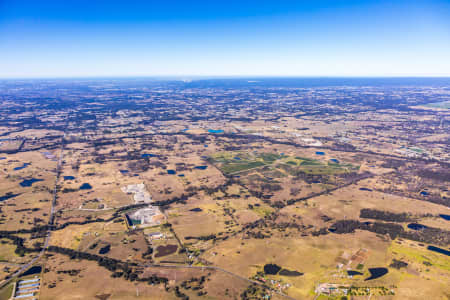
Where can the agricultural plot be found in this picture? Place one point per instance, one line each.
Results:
(275, 165)
(233, 163)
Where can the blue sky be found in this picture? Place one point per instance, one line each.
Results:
(224, 38)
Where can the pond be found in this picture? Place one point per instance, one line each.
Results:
(69, 177)
(423, 193)
(29, 182)
(2, 158)
(171, 172)
(105, 249)
(416, 226)
(33, 270)
(334, 160)
(365, 189)
(131, 222)
(237, 158)
(445, 217)
(21, 167)
(124, 171)
(144, 155)
(376, 273)
(197, 209)
(320, 153)
(7, 196)
(354, 273)
(215, 130)
(85, 186)
(201, 167)
(181, 175)
(271, 269)
(439, 250)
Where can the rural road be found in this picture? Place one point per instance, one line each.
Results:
(50, 222)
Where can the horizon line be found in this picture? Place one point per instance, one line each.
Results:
(187, 77)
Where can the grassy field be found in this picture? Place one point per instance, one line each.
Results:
(5, 293)
(294, 165)
(230, 162)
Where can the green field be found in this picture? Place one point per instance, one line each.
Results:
(238, 167)
(230, 163)
(315, 167)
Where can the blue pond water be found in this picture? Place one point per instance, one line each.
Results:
(181, 175)
(439, 250)
(105, 249)
(353, 273)
(29, 182)
(416, 226)
(445, 217)
(197, 209)
(365, 189)
(206, 146)
(334, 160)
(171, 172)
(21, 167)
(237, 158)
(33, 270)
(423, 193)
(124, 171)
(148, 155)
(2, 158)
(215, 130)
(85, 186)
(201, 167)
(320, 153)
(69, 177)
(376, 273)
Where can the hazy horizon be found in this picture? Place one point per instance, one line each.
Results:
(220, 77)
